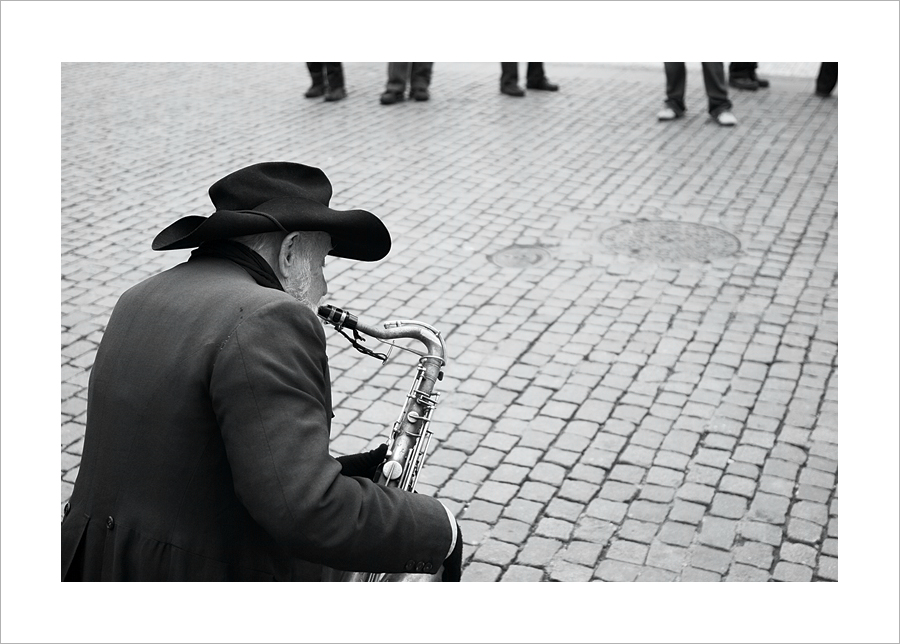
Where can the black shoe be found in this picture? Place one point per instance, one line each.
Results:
(315, 91)
(744, 83)
(544, 85)
(390, 97)
(512, 90)
(419, 93)
(822, 94)
(762, 82)
(335, 93)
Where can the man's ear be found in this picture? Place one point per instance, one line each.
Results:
(287, 255)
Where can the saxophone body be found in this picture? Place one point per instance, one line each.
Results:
(409, 436)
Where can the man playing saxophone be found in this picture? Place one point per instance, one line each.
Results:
(209, 410)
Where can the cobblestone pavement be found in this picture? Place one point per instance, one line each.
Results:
(636, 398)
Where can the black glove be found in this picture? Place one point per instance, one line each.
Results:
(453, 563)
(365, 464)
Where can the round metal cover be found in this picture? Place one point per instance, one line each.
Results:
(670, 241)
(520, 256)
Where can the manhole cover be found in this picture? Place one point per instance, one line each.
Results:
(670, 241)
(520, 256)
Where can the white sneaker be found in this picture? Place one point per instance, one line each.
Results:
(667, 114)
(726, 118)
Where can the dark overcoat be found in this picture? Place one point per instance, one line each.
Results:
(206, 448)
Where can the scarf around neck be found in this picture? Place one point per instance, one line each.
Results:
(243, 256)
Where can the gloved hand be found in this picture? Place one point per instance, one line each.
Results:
(364, 464)
(453, 563)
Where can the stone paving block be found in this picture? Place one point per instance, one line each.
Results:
(799, 553)
(671, 460)
(639, 531)
(568, 571)
(516, 573)
(677, 534)
(812, 493)
(814, 512)
(776, 486)
(626, 551)
(697, 575)
(483, 511)
(728, 505)
(755, 553)
(613, 570)
(538, 551)
(473, 473)
(511, 531)
(769, 508)
(626, 474)
(828, 568)
(666, 556)
(656, 575)
(494, 552)
(637, 455)
(582, 552)
(802, 530)
(477, 571)
(744, 573)
(786, 571)
(718, 532)
(695, 492)
(578, 491)
(710, 559)
(648, 511)
(737, 485)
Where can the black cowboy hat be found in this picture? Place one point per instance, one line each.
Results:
(268, 197)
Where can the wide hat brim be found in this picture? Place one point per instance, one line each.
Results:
(355, 234)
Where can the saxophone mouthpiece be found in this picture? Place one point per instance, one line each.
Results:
(337, 317)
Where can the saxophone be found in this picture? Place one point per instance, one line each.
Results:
(409, 437)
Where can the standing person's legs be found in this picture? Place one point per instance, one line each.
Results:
(509, 74)
(537, 79)
(827, 79)
(534, 74)
(317, 75)
(420, 75)
(676, 79)
(397, 76)
(743, 76)
(509, 79)
(334, 73)
(420, 79)
(716, 91)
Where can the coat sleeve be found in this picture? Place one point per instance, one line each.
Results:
(269, 390)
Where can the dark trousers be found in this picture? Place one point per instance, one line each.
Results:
(827, 79)
(509, 74)
(713, 79)
(741, 70)
(418, 75)
(333, 73)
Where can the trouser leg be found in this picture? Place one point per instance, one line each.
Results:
(316, 73)
(397, 75)
(535, 73)
(335, 74)
(420, 75)
(741, 70)
(716, 91)
(509, 74)
(827, 78)
(676, 77)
